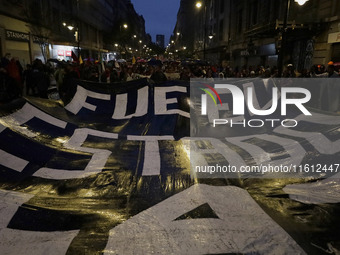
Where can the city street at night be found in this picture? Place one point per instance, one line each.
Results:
(150, 127)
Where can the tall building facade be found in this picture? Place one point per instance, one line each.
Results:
(160, 41)
(46, 29)
(249, 32)
(185, 29)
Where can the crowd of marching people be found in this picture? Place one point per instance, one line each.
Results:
(38, 78)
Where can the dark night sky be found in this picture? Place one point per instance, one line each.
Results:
(160, 16)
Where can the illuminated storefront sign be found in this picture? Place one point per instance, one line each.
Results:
(23, 37)
(62, 52)
(17, 36)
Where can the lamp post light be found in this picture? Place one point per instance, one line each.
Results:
(140, 46)
(301, 2)
(284, 35)
(198, 6)
(76, 35)
(116, 47)
(71, 27)
(122, 27)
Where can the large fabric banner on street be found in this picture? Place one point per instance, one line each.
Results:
(113, 172)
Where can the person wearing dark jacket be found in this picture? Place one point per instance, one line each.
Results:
(69, 86)
(8, 88)
(28, 80)
(158, 76)
(40, 79)
(114, 77)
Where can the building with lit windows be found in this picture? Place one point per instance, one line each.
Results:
(160, 40)
(249, 32)
(46, 29)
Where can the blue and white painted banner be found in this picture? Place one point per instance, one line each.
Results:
(110, 173)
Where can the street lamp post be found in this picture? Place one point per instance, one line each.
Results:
(283, 40)
(284, 35)
(77, 31)
(76, 35)
(117, 49)
(199, 5)
(125, 27)
(140, 47)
